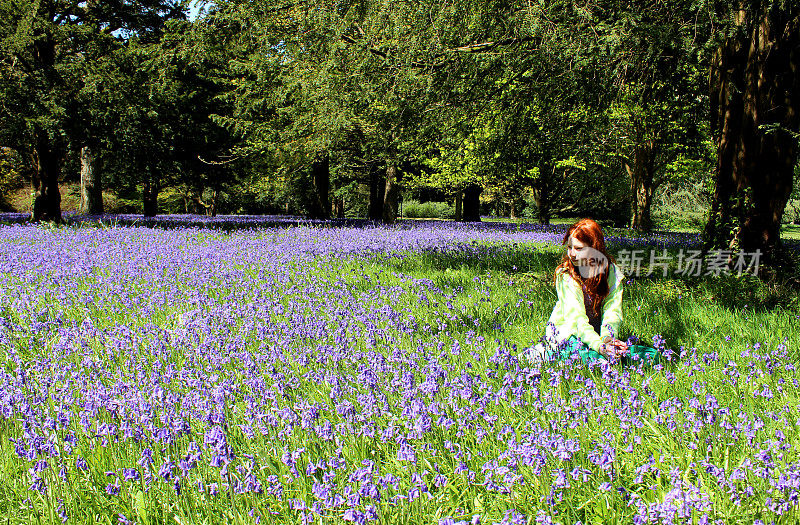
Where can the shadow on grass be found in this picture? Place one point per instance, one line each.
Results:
(481, 259)
(528, 272)
(732, 292)
(528, 263)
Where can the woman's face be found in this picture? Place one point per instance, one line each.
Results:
(577, 251)
(587, 260)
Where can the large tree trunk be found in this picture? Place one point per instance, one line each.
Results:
(49, 152)
(472, 203)
(642, 186)
(91, 182)
(150, 196)
(543, 209)
(391, 193)
(517, 205)
(459, 205)
(47, 198)
(755, 107)
(320, 206)
(375, 205)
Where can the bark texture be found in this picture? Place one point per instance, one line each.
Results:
(91, 182)
(391, 194)
(755, 106)
(642, 186)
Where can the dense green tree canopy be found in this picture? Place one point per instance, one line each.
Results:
(337, 108)
(48, 50)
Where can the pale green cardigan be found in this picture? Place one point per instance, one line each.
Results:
(569, 315)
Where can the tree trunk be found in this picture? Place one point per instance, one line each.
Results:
(391, 193)
(459, 211)
(642, 186)
(217, 182)
(320, 207)
(755, 108)
(338, 207)
(150, 196)
(541, 195)
(47, 198)
(375, 206)
(543, 211)
(91, 182)
(472, 203)
(212, 209)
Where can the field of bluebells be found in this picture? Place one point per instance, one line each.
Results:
(312, 374)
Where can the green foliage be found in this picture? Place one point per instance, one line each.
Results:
(63, 86)
(11, 176)
(792, 213)
(682, 205)
(427, 210)
(545, 101)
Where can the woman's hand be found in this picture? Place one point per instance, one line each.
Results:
(614, 348)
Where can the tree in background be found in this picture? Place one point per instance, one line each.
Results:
(392, 78)
(278, 108)
(352, 102)
(659, 107)
(11, 168)
(99, 101)
(41, 44)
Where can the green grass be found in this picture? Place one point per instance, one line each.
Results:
(518, 294)
(790, 231)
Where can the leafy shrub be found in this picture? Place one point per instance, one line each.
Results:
(791, 215)
(682, 204)
(413, 209)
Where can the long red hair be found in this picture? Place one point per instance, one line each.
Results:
(596, 287)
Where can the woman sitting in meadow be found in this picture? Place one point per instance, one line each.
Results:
(588, 312)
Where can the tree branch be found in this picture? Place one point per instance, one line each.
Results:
(488, 46)
(232, 158)
(471, 48)
(24, 62)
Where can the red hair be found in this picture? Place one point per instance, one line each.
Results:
(596, 287)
